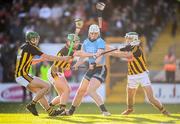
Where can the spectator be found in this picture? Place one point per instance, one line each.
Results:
(170, 66)
(7, 59)
(16, 30)
(34, 11)
(45, 12)
(29, 27)
(1, 73)
(57, 12)
(174, 23)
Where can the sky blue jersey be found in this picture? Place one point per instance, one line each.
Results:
(92, 47)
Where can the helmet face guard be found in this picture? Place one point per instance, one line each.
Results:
(131, 37)
(94, 28)
(93, 32)
(74, 42)
(73, 38)
(32, 37)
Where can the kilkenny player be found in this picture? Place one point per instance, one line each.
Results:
(24, 60)
(138, 75)
(56, 72)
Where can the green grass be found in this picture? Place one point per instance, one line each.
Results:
(15, 113)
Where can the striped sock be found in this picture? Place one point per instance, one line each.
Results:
(103, 108)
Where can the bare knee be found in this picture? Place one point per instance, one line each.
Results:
(90, 91)
(151, 99)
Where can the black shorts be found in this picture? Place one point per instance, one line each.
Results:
(98, 73)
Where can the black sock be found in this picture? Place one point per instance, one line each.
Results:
(62, 106)
(130, 106)
(33, 102)
(49, 110)
(50, 104)
(162, 109)
(103, 108)
(72, 109)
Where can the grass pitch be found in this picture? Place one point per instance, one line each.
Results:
(89, 119)
(15, 113)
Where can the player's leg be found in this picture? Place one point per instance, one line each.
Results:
(63, 89)
(43, 89)
(154, 101)
(132, 86)
(42, 85)
(55, 101)
(51, 79)
(131, 92)
(146, 84)
(44, 103)
(79, 95)
(94, 84)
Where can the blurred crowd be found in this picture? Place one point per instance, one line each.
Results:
(53, 20)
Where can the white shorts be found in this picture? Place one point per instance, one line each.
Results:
(139, 79)
(24, 80)
(51, 77)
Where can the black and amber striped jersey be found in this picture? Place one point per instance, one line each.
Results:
(24, 57)
(62, 65)
(138, 64)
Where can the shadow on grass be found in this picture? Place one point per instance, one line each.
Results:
(175, 117)
(110, 119)
(98, 119)
(87, 119)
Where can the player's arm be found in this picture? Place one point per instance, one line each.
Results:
(83, 54)
(78, 63)
(55, 58)
(36, 51)
(36, 61)
(100, 7)
(98, 59)
(122, 54)
(118, 52)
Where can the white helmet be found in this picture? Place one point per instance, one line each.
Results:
(132, 35)
(135, 39)
(94, 28)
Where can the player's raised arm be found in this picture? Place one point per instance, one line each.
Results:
(100, 7)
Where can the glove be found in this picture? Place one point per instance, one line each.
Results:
(92, 66)
(79, 23)
(126, 48)
(100, 6)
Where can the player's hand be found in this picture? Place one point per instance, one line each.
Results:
(78, 53)
(100, 6)
(75, 67)
(92, 66)
(66, 58)
(96, 55)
